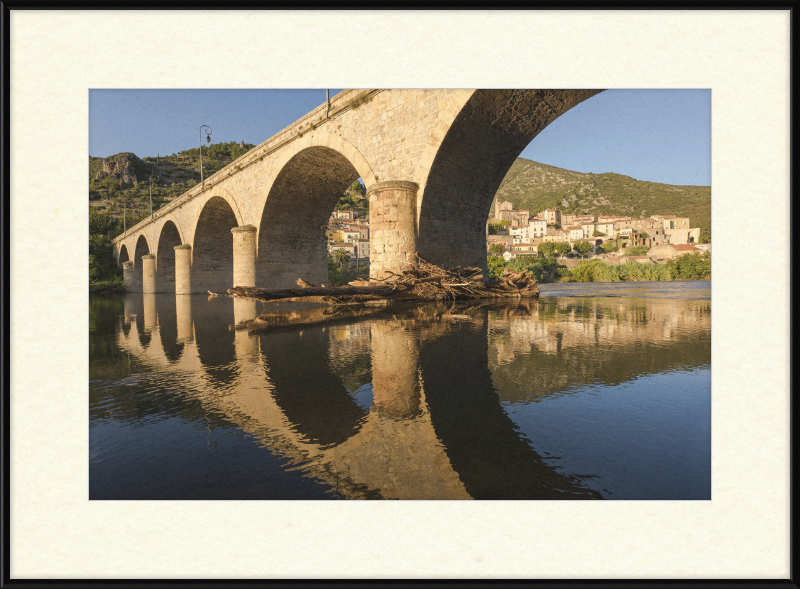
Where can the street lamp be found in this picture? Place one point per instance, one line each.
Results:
(152, 177)
(208, 139)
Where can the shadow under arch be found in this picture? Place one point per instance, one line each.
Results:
(215, 342)
(482, 442)
(212, 250)
(142, 249)
(168, 327)
(123, 256)
(481, 144)
(291, 237)
(311, 396)
(168, 238)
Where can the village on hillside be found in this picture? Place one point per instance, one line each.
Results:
(658, 239)
(512, 232)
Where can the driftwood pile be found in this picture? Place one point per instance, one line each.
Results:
(422, 281)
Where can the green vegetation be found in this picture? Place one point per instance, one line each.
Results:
(104, 277)
(611, 246)
(177, 173)
(548, 248)
(562, 249)
(497, 248)
(494, 228)
(582, 247)
(637, 250)
(535, 187)
(691, 266)
(546, 270)
(338, 274)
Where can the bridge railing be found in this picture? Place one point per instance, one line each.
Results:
(340, 103)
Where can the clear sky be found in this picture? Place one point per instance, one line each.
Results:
(656, 135)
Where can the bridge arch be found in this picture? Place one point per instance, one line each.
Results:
(308, 181)
(122, 255)
(142, 249)
(212, 247)
(168, 237)
(466, 157)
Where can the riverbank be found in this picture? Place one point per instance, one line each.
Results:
(548, 271)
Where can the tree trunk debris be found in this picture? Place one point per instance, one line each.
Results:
(422, 281)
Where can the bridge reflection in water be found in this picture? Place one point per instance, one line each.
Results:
(385, 402)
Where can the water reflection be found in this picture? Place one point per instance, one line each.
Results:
(373, 402)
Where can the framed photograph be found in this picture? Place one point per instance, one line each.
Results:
(489, 280)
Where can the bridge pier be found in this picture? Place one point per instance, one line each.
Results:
(150, 316)
(395, 363)
(244, 310)
(129, 277)
(148, 274)
(183, 269)
(244, 255)
(392, 213)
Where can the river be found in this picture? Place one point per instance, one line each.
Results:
(593, 391)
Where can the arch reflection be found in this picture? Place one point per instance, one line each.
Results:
(408, 404)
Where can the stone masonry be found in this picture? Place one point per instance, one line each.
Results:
(431, 161)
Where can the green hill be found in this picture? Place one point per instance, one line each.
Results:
(535, 187)
(127, 177)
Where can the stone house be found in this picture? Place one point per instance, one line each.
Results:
(552, 216)
(363, 248)
(346, 214)
(610, 218)
(573, 219)
(639, 259)
(505, 240)
(519, 234)
(538, 227)
(346, 236)
(517, 218)
(682, 236)
(501, 206)
(574, 233)
(607, 228)
(350, 248)
(524, 248)
(667, 251)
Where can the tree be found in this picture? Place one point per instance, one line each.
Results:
(496, 265)
(495, 227)
(497, 248)
(340, 257)
(644, 235)
(556, 225)
(636, 250)
(597, 233)
(582, 247)
(99, 223)
(357, 188)
(611, 246)
(547, 248)
(562, 248)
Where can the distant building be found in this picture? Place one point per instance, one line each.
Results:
(669, 251)
(552, 216)
(501, 206)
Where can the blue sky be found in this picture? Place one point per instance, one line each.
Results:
(655, 135)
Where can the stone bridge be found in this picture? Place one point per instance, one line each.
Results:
(431, 161)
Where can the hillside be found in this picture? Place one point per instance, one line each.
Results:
(124, 177)
(535, 187)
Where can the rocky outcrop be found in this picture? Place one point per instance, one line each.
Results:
(121, 168)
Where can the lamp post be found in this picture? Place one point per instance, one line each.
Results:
(152, 176)
(208, 139)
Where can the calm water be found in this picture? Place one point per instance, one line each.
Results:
(595, 391)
